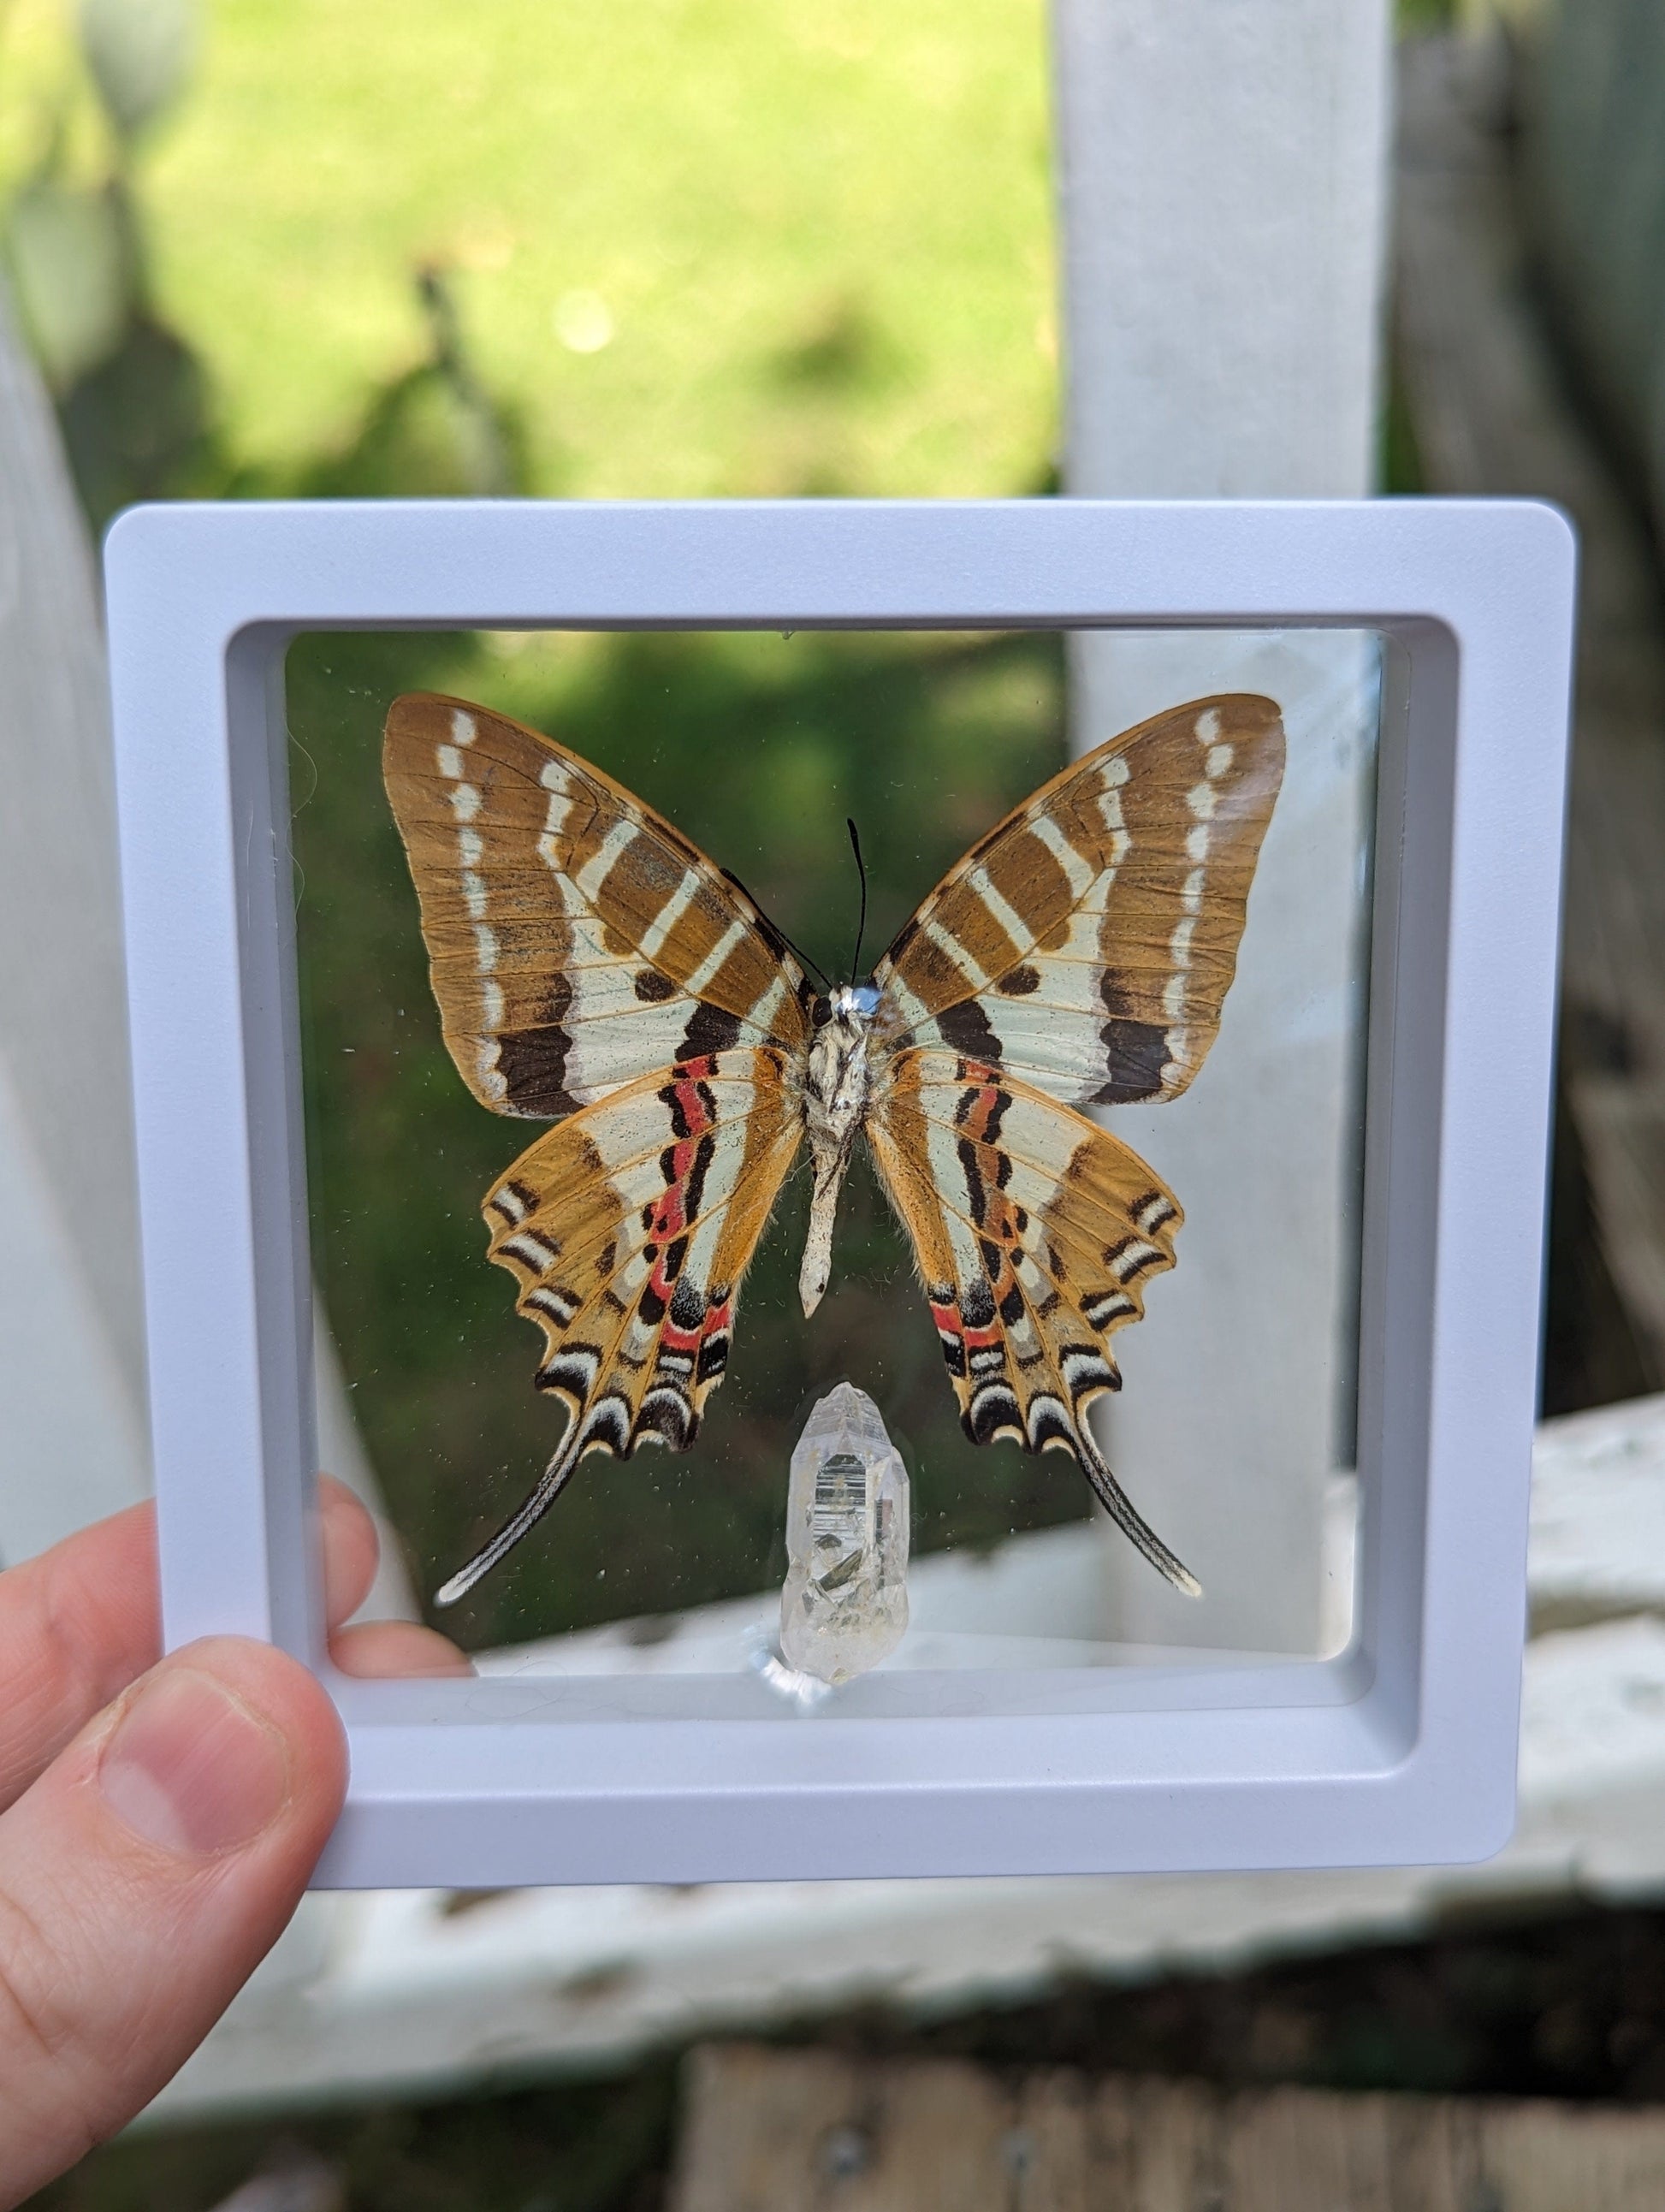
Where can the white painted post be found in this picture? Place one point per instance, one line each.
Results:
(71, 1328)
(1222, 186)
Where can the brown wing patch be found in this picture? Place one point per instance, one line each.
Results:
(576, 940)
(1088, 943)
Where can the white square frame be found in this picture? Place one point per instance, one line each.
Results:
(1402, 1750)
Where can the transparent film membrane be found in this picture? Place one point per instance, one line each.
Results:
(777, 1548)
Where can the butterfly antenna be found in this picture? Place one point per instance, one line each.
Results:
(811, 967)
(862, 925)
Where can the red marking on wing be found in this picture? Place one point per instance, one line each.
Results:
(671, 1216)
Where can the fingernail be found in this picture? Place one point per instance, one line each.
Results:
(191, 1768)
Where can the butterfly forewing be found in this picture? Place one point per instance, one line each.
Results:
(1086, 945)
(1036, 1234)
(576, 940)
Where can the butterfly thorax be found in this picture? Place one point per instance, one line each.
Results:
(837, 1085)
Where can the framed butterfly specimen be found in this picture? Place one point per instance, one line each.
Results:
(597, 974)
(594, 968)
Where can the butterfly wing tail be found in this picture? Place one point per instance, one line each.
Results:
(550, 1485)
(1120, 1507)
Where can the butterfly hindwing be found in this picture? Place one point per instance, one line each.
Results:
(628, 1229)
(576, 940)
(1087, 942)
(1035, 1234)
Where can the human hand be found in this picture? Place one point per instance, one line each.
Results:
(159, 1819)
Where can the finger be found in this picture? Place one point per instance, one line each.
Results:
(397, 1647)
(141, 1879)
(351, 1549)
(80, 1622)
(77, 1624)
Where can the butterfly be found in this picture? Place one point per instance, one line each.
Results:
(593, 970)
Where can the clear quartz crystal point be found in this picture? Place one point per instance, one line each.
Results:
(844, 1604)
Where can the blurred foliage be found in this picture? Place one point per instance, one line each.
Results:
(758, 747)
(1398, 458)
(1413, 15)
(69, 267)
(432, 432)
(132, 399)
(141, 54)
(135, 399)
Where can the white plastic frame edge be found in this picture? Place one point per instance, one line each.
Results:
(1403, 1751)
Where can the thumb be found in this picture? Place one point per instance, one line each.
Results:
(143, 1877)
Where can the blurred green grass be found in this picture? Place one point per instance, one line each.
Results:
(818, 232)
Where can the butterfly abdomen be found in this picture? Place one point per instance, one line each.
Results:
(838, 1086)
